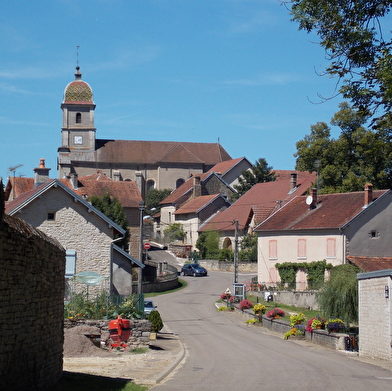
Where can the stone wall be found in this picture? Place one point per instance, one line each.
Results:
(31, 307)
(375, 314)
(215, 265)
(140, 330)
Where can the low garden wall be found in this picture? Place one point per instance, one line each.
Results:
(334, 341)
(215, 265)
(301, 299)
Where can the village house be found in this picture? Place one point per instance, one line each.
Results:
(89, 237)
(257, 204)
(185, 206)
(331, 227)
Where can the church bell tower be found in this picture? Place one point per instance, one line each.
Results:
(78, 131)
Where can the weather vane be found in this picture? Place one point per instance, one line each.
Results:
(77, 55)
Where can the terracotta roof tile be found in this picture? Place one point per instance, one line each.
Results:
(127, 192)
(194, 205)
(224, 167)
(263, 199)
(371, 264)
(151, 152)
(16, 186)
(332, 211)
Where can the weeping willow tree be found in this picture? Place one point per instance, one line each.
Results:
(338, 298)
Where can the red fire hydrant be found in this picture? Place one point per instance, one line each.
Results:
(120, 331)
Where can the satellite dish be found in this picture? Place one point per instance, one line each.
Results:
(309, 200)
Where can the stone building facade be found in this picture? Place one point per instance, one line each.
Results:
(31, 306)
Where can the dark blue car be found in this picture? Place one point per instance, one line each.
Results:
(193, 269)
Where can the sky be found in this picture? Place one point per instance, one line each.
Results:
(238, 72)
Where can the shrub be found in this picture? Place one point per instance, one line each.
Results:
(156, 321)
(259, 309)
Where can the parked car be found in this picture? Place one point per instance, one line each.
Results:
(148, 307)
(193, 269)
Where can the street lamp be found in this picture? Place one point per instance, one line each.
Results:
(317, 164)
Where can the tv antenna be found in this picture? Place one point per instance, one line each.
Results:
(13, 169)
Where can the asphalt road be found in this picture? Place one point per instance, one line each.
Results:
(223, 353)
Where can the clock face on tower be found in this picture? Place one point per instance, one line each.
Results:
(78, 140)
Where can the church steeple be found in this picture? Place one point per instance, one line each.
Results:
(78, 131)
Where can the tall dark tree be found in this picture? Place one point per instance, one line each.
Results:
(153, 199)
(259, 172)
(356, 39)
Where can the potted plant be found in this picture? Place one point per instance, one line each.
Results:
(295, 332)
(275, 313)
(335, 325)
(297, 319)
(156, 323)
(259, 309)
(245, 304)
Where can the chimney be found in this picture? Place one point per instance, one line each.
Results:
(41, 174)
(312, 199)
(74, 180)
(368, 194)
(196, 187)
(293, 181)
(116, 175)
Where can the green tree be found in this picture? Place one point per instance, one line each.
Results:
(111, 207)
(259, 172)
(352, 34)
(248, 250)
(153, 199)
(174, 232)
(208, 244)
(357, 156)
(338, 298)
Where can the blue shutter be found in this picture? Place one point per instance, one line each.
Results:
(70, 264)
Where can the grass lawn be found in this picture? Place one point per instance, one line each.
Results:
(286, 308)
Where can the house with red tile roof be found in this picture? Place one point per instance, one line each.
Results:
(257, 204)
(88, 236)
(196, 211)
(218, 180)
(126, 192)
(152, 164)
(331, 227)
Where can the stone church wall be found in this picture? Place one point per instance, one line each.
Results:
(31, 307)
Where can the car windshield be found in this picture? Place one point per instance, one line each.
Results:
(148, 304)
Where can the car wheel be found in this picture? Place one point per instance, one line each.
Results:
(194, 274)
(182, 274)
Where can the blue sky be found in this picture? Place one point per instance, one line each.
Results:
(237, 71)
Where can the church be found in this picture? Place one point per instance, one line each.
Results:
(151, 164)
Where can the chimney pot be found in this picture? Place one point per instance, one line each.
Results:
(293, 181)
(368, 194)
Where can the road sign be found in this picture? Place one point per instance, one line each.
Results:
(147, 246)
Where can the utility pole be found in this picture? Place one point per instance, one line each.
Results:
(140, 271)
(236, 251)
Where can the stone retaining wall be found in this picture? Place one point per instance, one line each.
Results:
(140, 330)
(31, 307)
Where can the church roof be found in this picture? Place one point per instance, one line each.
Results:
(78, 91)
(152, 152)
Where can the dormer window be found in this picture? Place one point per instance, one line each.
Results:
(78, 118)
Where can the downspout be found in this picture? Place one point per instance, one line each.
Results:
(344, 250)
(111, 262)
